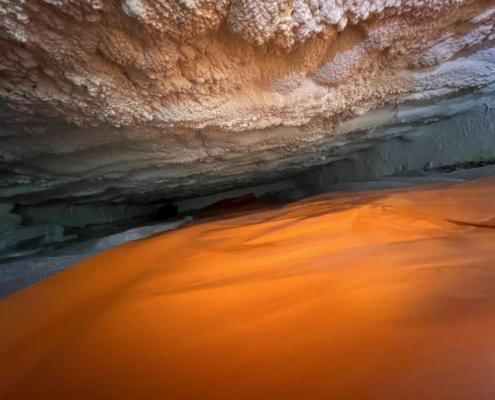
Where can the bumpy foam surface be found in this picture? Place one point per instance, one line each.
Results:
(109, 100)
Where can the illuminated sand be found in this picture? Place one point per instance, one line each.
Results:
(377, 295)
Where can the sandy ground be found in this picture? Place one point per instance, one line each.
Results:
(376, 295)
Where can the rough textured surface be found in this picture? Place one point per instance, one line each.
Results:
(138, 99)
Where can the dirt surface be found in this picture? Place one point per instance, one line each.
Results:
(375, 295)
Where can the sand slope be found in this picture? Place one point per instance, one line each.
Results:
(376, 295)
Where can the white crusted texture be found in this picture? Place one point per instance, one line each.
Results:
(194, 84)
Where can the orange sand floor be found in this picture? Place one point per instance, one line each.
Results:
(376, 295)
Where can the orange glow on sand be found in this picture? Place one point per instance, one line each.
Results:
(376, 295)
